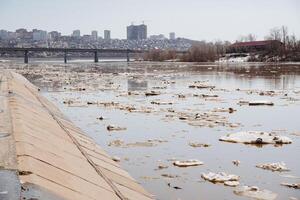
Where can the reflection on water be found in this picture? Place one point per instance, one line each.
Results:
(233, 83)
(136, 85)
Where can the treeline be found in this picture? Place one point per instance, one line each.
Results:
(211, 51)
(200, 52)
(160, 55)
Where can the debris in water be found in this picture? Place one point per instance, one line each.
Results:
(152, 93)
(149, 178)
(256, 103)
(91, 103)
(116, 158)
(182, 118)
(116, 143)
(279, 166)
(69, 101)
(188, 163)
(255, 193)
(100, 118)
(161, 166)
(236, 162)
(260, 103)
(222, 177)
(267, 93)
(230, 110)
(169, 176)
(175, 187)
(161, 103)
(115, 128)
(206, 95)
(256, 137)
(195, 144)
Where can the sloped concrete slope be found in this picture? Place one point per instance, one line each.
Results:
(53, 158)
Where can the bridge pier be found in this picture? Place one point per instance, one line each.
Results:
(26, 56)
(127, 55)
(96, 56)
(65, 57)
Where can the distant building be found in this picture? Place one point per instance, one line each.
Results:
(94, 35)
(39, 35)
(76, 33)
(3, 34)
(172, 36)
(254, 46)
(106, 34)
(87, 38)
(22, 33)
(157, 37)
(137, 32)
(53, 35)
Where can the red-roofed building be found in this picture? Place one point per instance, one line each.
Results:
(255, 46)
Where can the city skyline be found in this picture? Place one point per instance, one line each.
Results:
(140, 34)
(223, 20)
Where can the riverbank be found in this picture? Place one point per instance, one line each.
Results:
(43, 155)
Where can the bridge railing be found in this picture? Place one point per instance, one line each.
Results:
(68, 50)
(127, 52)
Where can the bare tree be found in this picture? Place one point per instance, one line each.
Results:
(275, 34)
(284, 33)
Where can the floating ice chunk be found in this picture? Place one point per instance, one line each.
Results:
(279, 166)
(221, 177)
(256, 137)
(291, 185)
(187, 163)
(255, 193)
(231, 183)
(201, 86)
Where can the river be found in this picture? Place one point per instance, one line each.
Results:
(155, 135)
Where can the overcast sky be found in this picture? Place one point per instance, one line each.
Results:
(195, 19)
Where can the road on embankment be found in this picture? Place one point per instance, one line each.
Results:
(45, 156)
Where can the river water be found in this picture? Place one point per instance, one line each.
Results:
(156, 136)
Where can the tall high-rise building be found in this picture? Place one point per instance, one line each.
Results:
(39, 35)
(137, 32)
(94, 35)
(106, 34)
(76, 33)
(172, 36)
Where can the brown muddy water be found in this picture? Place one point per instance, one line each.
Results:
(159, 128)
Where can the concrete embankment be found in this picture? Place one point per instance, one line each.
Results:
(44, 156)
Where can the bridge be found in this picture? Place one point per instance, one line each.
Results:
(67, 50)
